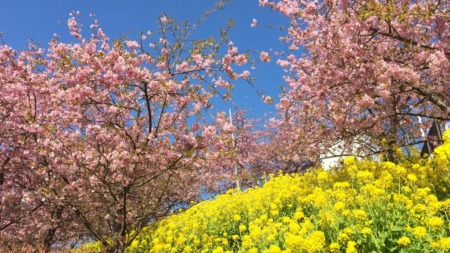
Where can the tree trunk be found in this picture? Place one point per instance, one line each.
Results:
(119, 228)
(390, 152)
(2, 181)
(118, 246)
(49, 238)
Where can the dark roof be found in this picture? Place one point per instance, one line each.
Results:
(434, 139)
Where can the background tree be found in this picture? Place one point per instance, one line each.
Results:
(100, 138)
(243, 146)
(369, 69)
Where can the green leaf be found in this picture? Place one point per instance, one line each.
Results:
(397, 228)
(392, 249)
(231, 23)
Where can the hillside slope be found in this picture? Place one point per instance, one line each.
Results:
(364, 206)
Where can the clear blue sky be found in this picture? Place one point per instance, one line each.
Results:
(22, 20)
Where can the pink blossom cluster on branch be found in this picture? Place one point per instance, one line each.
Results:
(364, 70)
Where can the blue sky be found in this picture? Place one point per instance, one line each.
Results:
(22, 20)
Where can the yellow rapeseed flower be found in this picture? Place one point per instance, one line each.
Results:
(334, 247)
(419, 232)
(364, 176)
(298, 215)
(349, 231)
(322, 176)
(225, 241)
(351, 247)
(218, 250)
(423, 192)
(187, 249)
(270, 237)
(403, 241)
(366, 231)
(253, 250)
(435, 222)
(293, 242)
(343, 237)
(341, 185)
(419, 210)
(359, 214)
(314, 242)
(134, 244)
(411, 178)
(443, 244)
(326, 218)
(246, 241)
(273, 249)
(339, 206)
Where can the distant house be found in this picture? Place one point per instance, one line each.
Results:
(433, 139)
(339, 151)
(334, 156)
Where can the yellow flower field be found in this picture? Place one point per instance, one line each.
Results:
(364, 206)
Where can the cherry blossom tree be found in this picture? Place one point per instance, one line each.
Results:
(364, 71)
(242, 144)
(98, 138)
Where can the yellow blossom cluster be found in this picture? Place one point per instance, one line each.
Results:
(363, 206)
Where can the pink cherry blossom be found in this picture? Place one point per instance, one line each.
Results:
(164, 19)
(267, 99)
(254, 23)
(245, 74)
(264, 56)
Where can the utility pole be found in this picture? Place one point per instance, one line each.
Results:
(421, 129)
(238, 184)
